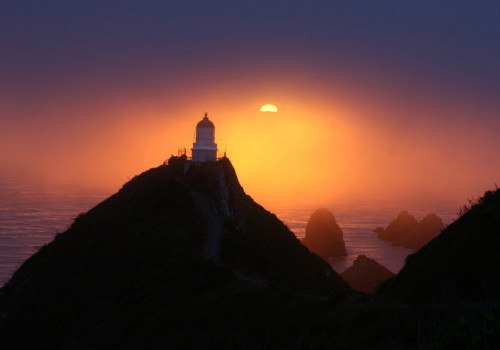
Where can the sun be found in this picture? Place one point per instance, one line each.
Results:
(269, 108)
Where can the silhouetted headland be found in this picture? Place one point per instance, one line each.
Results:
(175, 255)
(181, 257)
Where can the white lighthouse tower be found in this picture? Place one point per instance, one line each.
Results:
(204, 148)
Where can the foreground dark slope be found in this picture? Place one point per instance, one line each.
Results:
(461, 265)
(188, 260)
(172, 260)
(447, 296)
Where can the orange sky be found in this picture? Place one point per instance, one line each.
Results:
(379, 102)
(330, 141)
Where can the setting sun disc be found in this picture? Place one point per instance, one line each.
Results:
(269, 108)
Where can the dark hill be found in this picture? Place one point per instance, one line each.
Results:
(462, 264)
(172, 260)
(366, 274)
(447, 296)
(179, 260)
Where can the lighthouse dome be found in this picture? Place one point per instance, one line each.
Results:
(205, 123)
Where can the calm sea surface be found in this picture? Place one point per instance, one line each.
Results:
(30, 218)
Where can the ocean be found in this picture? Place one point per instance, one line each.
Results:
(30, 218)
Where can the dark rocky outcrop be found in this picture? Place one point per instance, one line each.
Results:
(365, 275)
(428, 228)
(403, 224)
(175, 259)
(323, 236)
(406, 232)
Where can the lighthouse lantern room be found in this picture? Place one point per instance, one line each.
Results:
(204, 148)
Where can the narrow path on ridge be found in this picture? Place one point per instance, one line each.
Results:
(214, 233)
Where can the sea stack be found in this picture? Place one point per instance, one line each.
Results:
(404, 223)
(428, 228)
(406, 231)
(323, 236)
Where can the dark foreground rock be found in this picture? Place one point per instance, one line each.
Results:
(365, 275)
(180, 260)
(323, 236)
(459, 265)
(173, 260)
(447, 296)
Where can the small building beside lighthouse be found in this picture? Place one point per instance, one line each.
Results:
(204, 148)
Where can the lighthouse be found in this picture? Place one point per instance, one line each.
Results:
(204, 148)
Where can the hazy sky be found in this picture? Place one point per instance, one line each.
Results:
(378, 99)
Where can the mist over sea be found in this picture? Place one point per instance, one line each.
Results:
(30, 218)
